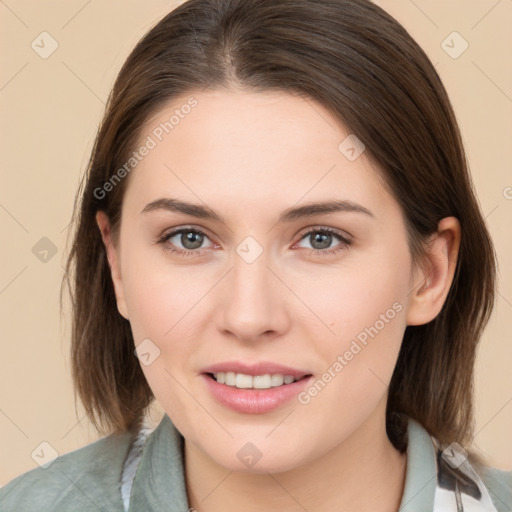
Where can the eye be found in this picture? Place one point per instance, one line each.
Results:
(190, 239)
(321, 239)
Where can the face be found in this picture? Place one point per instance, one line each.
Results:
(255, 285)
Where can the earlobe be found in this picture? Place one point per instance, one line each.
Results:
(113, 260)
(433, 282)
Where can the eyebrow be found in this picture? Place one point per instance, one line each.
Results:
(288, 215)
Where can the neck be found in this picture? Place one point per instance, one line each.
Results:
(363, 473)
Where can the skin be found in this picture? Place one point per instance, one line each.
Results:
(249, 156)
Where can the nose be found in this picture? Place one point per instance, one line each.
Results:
(255, 301)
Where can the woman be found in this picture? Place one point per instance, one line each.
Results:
(335, 375)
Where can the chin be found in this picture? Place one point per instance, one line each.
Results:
(249, 457)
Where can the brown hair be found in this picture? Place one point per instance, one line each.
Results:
(361, 64)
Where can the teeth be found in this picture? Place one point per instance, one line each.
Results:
(276, 380)
(243, 381)
(262, 381)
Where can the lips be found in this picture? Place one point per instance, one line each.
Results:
(252, 400)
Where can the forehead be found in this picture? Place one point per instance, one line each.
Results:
(247, 147)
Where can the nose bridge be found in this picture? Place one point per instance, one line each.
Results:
(251, 278)
(254, 302)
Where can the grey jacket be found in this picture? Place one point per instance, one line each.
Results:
(89, 479)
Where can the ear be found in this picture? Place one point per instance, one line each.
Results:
(432, 283)
(113, 260)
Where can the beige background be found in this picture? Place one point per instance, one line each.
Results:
(50, 111)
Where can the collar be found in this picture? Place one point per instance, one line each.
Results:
(434, 481)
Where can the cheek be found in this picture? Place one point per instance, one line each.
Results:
(159, 295)
(361, 299)
(364, 306)
(358, 366)
(162, 302)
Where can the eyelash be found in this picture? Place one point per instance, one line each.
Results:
(345, 243)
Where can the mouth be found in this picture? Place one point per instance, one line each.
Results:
(254, 388)
(246, 381)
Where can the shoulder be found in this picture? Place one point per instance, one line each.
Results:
(81, 480)
(499, 484)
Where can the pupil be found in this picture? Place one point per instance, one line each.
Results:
(325, 242)
(195, 239)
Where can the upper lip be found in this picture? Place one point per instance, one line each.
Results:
(259, 368)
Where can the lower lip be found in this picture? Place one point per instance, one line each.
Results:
(254, 401)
